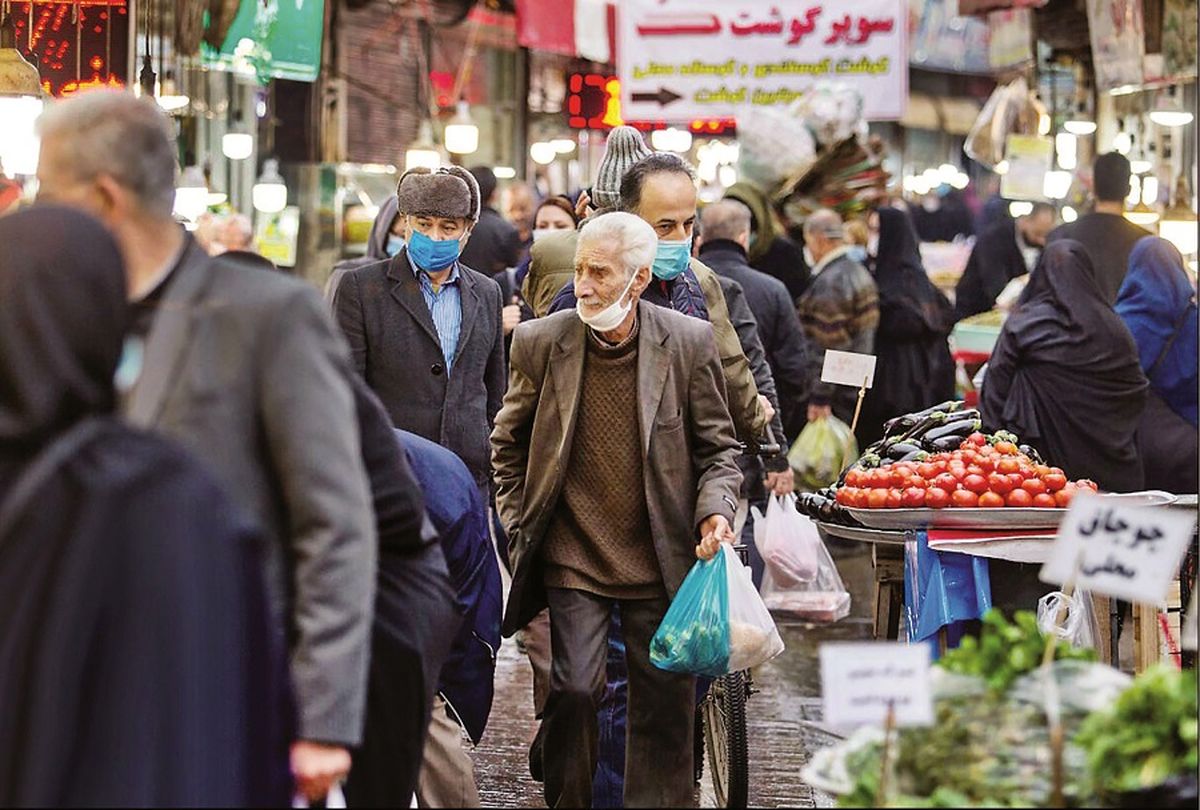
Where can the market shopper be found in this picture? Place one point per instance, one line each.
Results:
(518, 201)
(637, 473)
(139, 666)
(1158, 304)
(770, 249)
(425, 329)
(727, 230)
(1104, 232)
(494, 243)
(1065, 375)
(246, 371)
(1005, 251)
(913, 369)
(839, 310)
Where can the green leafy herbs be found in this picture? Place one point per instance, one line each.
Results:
(1147, 736)
(1006, 650)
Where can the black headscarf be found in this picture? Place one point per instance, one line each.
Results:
(914, 368)
(138, 666)
(1065, 375)
(62, 324)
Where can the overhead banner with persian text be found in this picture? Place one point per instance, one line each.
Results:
(680, 60)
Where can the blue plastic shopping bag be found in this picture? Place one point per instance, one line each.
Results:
(717, 622)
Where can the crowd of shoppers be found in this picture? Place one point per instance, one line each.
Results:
(282, 514)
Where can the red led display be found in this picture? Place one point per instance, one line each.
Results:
(71, 54)
(594, 102)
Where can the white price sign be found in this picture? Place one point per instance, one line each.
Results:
(860, 682)
(1127, 552)
(848, 368)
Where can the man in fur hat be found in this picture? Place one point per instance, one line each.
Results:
(425, 330)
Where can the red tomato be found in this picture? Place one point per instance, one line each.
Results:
(1062, 498)
(941, 466)
(918, 482)
(1054, 481)
(876, 478)
(975, 469)
(987, 450)
(1034, 486)
(860, 498)
(986, 464)
(1041, 470)
(908, 468)
(976, 483)
(914, 497)
(937, 498)
(1018, 497)
(898, 478)
(990, 500)
(845, 495)
(1087, 483)
(964, 499)
(946, 481)
(927, 470)
(1044, 501)
(1016, 479)
(1056, 471)
(977, 439)
(853, 477)
(999, 484)
(970, 457)
(895, 499)
(877, 498)
(1007, 449)
(1008, 465)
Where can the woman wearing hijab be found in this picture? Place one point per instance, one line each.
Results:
(137, 667)
(1158, 304)
(914, 369)
(1065, 375)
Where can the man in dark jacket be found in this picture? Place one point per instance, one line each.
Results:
(1007, 250)
(770, 248)
(1107, 235)
(425, 329)
(495, 243)
(726, 239)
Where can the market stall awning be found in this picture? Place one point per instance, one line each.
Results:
(583, 28)
(953, 114)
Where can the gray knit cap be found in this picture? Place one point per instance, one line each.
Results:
(624, 148)
(449, 192)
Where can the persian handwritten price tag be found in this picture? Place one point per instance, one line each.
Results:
(1127, 552)
(848, 368)
(860, 681)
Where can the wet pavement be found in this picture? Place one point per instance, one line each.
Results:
(784, 714)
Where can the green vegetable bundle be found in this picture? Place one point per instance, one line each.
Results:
(1006, 650)
(1146, 737)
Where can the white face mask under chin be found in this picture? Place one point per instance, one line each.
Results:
(612, 315)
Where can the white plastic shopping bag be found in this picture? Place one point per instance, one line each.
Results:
(1078, 625)
(786, 541)
(822, 598)
(753, 637)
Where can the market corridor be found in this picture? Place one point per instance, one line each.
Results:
(783, 715)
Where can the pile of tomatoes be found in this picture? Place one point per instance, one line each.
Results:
(978, 474)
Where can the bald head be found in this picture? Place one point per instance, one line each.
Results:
(726, 219)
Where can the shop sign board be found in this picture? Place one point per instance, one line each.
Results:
(862, 682)
(680, 60)
(1118, 43)
(1126, 552)
(1029, 158)
(273, 39)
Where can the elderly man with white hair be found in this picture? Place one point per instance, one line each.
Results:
(614, 454)
(839, 310)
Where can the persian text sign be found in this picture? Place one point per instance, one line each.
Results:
(684, 59)
(848, 368)
(1128, 552)
(859, 682)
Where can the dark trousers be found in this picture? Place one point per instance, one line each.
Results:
(658, 761)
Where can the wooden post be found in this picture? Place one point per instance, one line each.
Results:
(1146, 644)
(862, 392)
(889, 726)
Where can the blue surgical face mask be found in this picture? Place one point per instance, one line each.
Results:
(129, 368)
(433, 255)
(858, 253)
(394, 244)
(672, 259)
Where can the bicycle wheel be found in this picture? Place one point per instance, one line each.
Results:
(725, 739)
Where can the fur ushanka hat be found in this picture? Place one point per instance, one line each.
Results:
(449, 192)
